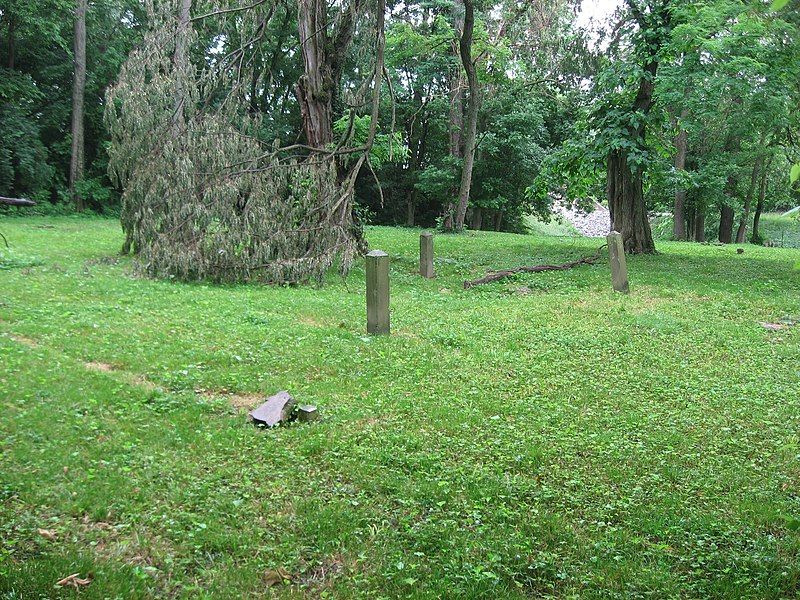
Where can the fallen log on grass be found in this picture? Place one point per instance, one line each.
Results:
(17, 201)
(498, 275)
(14, 202)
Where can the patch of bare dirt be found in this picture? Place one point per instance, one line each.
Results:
(312, 321)
(29, 342)
(238, 400)
(99, 366)
(136, 379)
(141, 381)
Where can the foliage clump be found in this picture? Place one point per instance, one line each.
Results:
(206, 196)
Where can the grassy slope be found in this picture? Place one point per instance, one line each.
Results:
(564, 442)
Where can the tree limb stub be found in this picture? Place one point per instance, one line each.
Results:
(498, 275)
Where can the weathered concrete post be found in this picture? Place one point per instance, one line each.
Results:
(377, 292)
(619, 267)
(426, 255)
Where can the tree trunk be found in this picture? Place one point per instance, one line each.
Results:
(456, 117)
(78, 88)
(498, 220)
(410, 207)
(477, 218)
(325, 52)
(700, 225)
(315, 89)
(11, 43)
(416, 148)
(180, 63)
(626, 205)
(755, 237)
(678, 216)
(624, 186)
(456, 113)
(748, 201)
(725, 224)
(465, 47)
(324, 56)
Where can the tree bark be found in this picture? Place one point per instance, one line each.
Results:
(477, 218)
(748, 201)
(417, 153)
(180, 63)
(725, 224)
(700, 225)
(465, 48)
(498, 220)
(324, 54)
(456, 117)
(78, 89)
(678, 213)
(410, 207)
(624, 185)
(456, 112)
(315, 89)
(755, 236)
(12, 50)
(626, 204)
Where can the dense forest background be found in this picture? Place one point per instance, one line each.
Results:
(552, 102)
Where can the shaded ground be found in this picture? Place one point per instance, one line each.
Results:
(564, 442)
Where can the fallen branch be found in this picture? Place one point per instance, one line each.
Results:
(17, 201)
(498, 275)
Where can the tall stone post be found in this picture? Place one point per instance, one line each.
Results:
(378, 292)
(426, 255)
(619, 267)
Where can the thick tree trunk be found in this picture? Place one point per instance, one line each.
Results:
(498, 220)
(679, 217)
(315, 90)
(465, 47)
(180, 63)
(12, 51)
(78, 88)
(725, 224)
(410, 207)
(624, 185)
(324, 56)
(417, 153)
(626, 205)
(456, 113)
(456, 117)
(325, 51)
(477, 218)
(700, 225)
(748, 201)
(755, 237)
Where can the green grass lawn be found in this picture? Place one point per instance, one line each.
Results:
(539, 437)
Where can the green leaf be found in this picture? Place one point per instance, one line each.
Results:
(779, 4)
(794, 174)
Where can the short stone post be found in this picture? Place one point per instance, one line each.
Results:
(619, 267)
(426, 255)
(378, 292)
